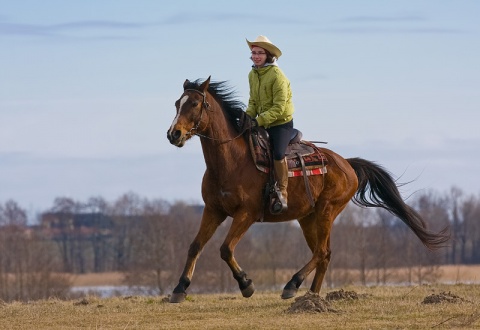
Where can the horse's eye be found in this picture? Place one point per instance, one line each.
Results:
(194, 104)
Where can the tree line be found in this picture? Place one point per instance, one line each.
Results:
(147, 240)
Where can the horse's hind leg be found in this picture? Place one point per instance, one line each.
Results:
(309, 228)
(211, 219)
(313, 236)
(316, 229)
(241, 223)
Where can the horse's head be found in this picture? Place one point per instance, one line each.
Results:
(191, 117)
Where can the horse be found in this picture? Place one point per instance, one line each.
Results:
(232, 186)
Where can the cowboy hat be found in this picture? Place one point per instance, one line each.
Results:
(266, 44)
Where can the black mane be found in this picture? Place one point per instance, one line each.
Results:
(225, 95)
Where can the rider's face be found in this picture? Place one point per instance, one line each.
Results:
(259, 56)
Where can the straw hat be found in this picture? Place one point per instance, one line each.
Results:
(266, 44)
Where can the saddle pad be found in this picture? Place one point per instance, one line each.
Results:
(315, 161)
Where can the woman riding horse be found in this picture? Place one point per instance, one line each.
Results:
(233, 186)
(270, 105)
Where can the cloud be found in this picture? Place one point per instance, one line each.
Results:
(389, 24)
(62, 29)
(22, 29)
(386, 30)
(374, 19)
(80, 25)
(194, 18)
(66, 28)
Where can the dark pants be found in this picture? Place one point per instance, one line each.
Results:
(280, 137)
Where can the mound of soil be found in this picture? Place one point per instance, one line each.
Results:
(442, 297)
(310, 303)
(342, 295)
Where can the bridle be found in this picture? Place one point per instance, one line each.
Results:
(206, 106)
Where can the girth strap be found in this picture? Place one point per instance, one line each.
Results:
(307, 183)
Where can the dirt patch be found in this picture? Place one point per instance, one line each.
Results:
(443, 297)
(84, 301)
(342, 295)
(310, 303)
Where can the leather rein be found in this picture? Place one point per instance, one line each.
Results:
(206, 106)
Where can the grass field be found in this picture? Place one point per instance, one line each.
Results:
(375, 308)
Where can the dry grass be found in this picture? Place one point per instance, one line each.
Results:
(97, 279)
(376, 308)
(447, 274)
(460, 273)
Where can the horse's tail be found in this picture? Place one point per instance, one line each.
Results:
(377, 188)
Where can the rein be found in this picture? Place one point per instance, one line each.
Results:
(206, 106)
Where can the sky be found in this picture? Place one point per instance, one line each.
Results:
(87, 89)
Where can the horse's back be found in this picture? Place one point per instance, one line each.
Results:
(342, 179)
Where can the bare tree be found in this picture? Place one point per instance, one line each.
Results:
(458, 238)
(150, 251)
(272, 244)
(26, 262)
(13, 214)
(126, 213)
(146, 239)
(470, 215)
(101, 237)
(61, 216)
(351, 246)
(381, 246)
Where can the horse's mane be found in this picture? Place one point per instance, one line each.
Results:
(226, 96)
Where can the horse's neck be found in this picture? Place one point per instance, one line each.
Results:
(223, 148)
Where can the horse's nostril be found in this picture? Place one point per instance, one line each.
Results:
(173, 136)
(176, 134)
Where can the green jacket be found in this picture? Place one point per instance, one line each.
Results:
(270, 96)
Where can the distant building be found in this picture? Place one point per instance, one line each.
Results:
(57, 225)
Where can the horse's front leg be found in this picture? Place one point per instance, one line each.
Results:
(211, 219)
(241, 223)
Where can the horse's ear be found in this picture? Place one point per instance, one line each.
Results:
(186, 83)
(205, 84)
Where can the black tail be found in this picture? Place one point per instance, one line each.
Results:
(377, 188)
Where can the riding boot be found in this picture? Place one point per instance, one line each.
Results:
(281, 172)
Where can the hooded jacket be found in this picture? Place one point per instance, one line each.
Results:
(270, 96)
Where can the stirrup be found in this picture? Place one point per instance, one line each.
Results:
(277, 203)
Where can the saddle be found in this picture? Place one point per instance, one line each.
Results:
(303, 159)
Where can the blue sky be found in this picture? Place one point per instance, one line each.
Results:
(87, 89)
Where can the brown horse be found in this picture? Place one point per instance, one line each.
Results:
(232, 186)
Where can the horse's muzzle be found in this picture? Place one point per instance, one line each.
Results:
(175, 138)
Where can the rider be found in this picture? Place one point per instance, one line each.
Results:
(270, 105)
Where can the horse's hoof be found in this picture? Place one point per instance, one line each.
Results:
(178, 297)
(287, 294)
(248, 291)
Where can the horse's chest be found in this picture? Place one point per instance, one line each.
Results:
(239, 188)
(227, 194)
